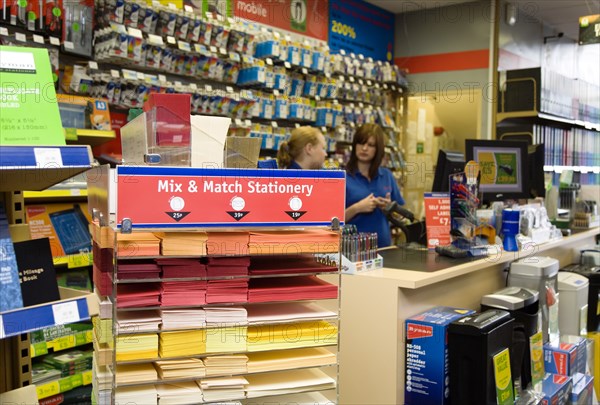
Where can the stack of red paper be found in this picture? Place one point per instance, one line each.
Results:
(137, 269)
(103, 257)
(294, 242)
(181, 268)
(290, 288)
(227, 243)
(228, 266)
(235, 290)
(287, 264)
(138, 295)
(182, 293)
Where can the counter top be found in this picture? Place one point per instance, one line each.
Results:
(421, 268)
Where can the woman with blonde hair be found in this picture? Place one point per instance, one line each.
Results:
(306, 149)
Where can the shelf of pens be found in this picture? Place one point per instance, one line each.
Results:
(358, 251)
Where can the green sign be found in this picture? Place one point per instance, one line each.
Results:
(589, 29)
(298, 14)
(503, 378)
(28, 107)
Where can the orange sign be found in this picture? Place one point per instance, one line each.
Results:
(437, 219)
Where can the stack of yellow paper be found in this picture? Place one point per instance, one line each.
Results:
(142, 394)
(185, 368)
(183, 243)
(137, 244)
(180, 393)
(184, 343)
(223, 389)
(137, 347)
(288, 382)
(226, 365)
(294, 242)
(290, 336)
(289, 359)
(135, 373)
(230, 339)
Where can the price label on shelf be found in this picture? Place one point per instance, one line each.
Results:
(385, 86)
(65, 312)
(207, 87)
(223, 51)
(193, 86)
(229, 89)
(19, 36)
(54, 41)
(342, 52)
(269, 61)
(178, 83)
(248, 123)
(188, 8)
(213, 49)
(287, 65)
(184, 46)
(135, 32)
(78, 260)
(276, 93)
(351, 79)
(274, 124)
(3, 31)
(47, 157)
(171, 40)
(304, 71)
(162, 78)
(238, 122)
(115, 73)
(69, 45)
(155, 40)
(172, 6)
(38, 39)
(369, 83)
(93, 65)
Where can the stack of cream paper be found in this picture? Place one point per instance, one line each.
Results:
(290, 336)
(184, 368)
(226, 365)
(226, 316)
(136, 373)
(224, 388)
(286, 312)
(277, 360)
(182, 243)
(288, 382)
(230, 339)
(138, 321)
(142, 394)
(102, 376)
(137, 347)
(184, 343)
(306, 398)
(183, 318)
(180, 393)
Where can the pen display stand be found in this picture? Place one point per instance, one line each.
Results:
(350, 267)
(463, 206)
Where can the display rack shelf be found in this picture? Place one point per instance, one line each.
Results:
(63, 384)
(62, 343)
(74, 306)
(545, 119)
(39, 167)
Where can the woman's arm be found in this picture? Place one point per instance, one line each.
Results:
(366, 205)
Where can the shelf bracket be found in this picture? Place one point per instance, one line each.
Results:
(126, 225)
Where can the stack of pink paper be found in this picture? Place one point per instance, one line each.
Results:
(287, 264)
(102, 281)
(290, 288)
(137, 269)
(227, 243)
(235, 290)
(181, 268)
(182, 293)
(228, 266)
(138, 295)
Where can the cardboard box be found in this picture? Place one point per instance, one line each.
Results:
(241, 152)
(560, 360)
(427, 355)
(583, 389)
(557, 389)
(581, 351)
(66, 225)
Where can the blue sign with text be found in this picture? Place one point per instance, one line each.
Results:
(359, 27)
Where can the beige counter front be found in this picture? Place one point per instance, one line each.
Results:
(375, 304)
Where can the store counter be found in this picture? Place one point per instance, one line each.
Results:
(375, 304)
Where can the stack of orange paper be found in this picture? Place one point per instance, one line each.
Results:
(228, 243)
(182, 243)
(294, 242)
(184, 343)
(137, 244)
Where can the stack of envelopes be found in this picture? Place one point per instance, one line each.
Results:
(183, 343)
(136, 373)
(179, 393)
(226, 365)
(182, 243)
(224, 388)
(176, 369)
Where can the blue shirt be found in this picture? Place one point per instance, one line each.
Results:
(359, 187)
(294, 165)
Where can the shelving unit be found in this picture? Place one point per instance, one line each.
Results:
(36, 168)
(240, 337)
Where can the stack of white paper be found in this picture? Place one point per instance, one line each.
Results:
(288, 382)
(289, 359)
(226, 365)
(138, 321)
(183, 318)
(135, 373)
(223, 389)
(226, 316)
(179, 393)
(185, 368)
(143, 394)
(286, 312)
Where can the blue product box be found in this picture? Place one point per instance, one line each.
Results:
(557, 389)
(426, 345)
(581, 347)
(560, 360)
(583, 389)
